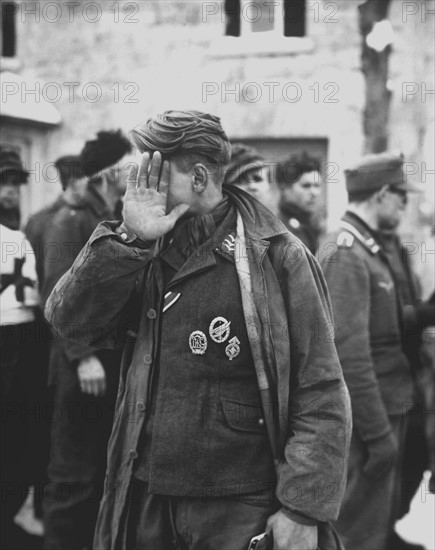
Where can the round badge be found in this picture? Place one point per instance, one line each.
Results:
(198, 342)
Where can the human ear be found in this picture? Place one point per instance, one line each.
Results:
(199, 178)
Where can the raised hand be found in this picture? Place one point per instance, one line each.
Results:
(146, 197)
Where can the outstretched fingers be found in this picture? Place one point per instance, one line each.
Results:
(132, 176)
(142, 179)
(164, 178)
(154, 175)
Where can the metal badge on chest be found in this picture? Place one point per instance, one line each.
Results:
(219, 331)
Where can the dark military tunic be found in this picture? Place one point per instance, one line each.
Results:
(366, 308)
(187, 442)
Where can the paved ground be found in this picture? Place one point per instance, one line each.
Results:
(417, 526)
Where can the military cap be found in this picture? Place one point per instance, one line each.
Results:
(10, 164)
(372, 172)
(243, 159)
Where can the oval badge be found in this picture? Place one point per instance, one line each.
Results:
(219, 329)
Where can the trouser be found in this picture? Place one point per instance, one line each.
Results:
(369, 508)
(20, 417)
(157, 522)
(81, 429)
(415, 459)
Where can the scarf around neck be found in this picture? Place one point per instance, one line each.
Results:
(190, 233)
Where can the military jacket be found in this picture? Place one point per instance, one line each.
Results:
(368, 326)
(286, 310)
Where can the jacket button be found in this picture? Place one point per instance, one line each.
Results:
(132, 454)
(151, 314)
(261, 422)
(140, 405)
(148, 359)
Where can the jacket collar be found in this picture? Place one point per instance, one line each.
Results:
(361, 230)
(259, 222)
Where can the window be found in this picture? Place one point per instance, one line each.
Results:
(284, 17)
(8, 13)
(233, 11)
(294, 18)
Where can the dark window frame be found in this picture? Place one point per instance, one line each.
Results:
(295, 16)
(9, 30)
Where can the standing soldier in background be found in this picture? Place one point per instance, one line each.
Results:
(299, 183)
(85, 380)
(38, 229)
(367, 312)
(18, 338)
(417, 315)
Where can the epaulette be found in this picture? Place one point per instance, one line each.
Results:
(345, 239)
(367, 242)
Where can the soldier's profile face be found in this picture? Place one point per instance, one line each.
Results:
(391, 208)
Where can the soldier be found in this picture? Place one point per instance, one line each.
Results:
(367, 314)
(417, 315)
(221, 432)
(299, 182)
(85, 380)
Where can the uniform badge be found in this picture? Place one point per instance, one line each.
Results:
(170, 299)
(219, 329)
(230, 243)
(233, 348)
(198, 342)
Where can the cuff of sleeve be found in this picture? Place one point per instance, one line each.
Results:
(297, 517)
(77, 352)
(130, 238)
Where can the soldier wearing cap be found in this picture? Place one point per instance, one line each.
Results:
(84, 380)
(248, 170)
(368, 322)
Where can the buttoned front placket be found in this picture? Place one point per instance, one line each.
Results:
(139, 383)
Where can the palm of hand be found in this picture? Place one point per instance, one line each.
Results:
(145, 213)
(145, 201)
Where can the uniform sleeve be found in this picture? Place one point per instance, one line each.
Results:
(348, 280)
(312, 478)
(88, 303)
